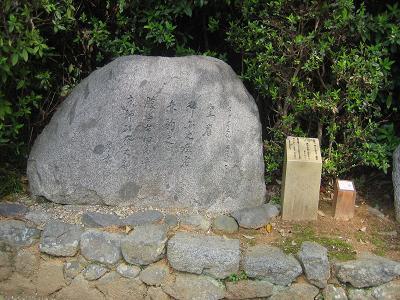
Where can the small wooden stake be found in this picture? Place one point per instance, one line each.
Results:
(344, 199)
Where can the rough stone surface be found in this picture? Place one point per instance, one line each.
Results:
(248, 289)
(211, 255)
(128, 271)
(388, 291)
(143, 217)
(256, 217)
(367, 271)
(359, 294)
(154, 274)
(196, 222)
(153, 131)
(60, 239)
(95, 219)
(79, 289)
(396, 182)
(225, 224)
(298, 291)
(271, 264)
(17, 234)
(12, 209)
(332, 292)
(145, 244)
(114, 286)
(156, 293)
(171, 221)
(101, 246)
(72, 269)
(194, 287)
(17, 286)
(315, 262)
(94, 271)
(38, 217)
(50, 277)
(26, 262)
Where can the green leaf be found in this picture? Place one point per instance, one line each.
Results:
(14, 59)
(24, 55)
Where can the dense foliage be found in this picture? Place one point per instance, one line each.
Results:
(316, 68)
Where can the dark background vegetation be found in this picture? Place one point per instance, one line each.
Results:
(326, 69)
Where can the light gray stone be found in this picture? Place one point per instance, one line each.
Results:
(315, 262)
(94, 271)
(128, 271)
(72, 269)
(114, 286)
(39, 218)
(396, 182)
(195, 221)
(359, 294)
(143, 217)
(225, 224)
(332, 292)
(8, 209)
(26, 262)
(249, 289)
(298, 291)
(101, 246)
(17, 234)
(194, 287)
(211, 255)
(367, 271)
(256, 217)
(270, 263)
(154, 274)
(153, 131)
(60, 239)
(95, 219)
(388, 291)
(171, 221)
(145, 244)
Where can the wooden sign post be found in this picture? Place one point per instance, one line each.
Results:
(344, 199)
(301, 179)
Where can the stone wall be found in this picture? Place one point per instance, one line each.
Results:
(160, 259)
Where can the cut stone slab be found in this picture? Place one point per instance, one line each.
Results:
(8, 209)
(114, 286)
(367, 271)
(156, 293)
(248, 289)
(298, 291)
(154, 274)
(211, 255)
(60, 239)
(314, 259)
(389, 290)
(272, 264)
(95, 219)
(100, 246)
(17, 234)
(332, 292)
(79, 289)
(50, 277)
(396, 182)
(188, 286)
(26, 262)
(128, 271)
(225, 224)
(143, 217)
(94, 271)
(195, 221)
(72, 269)
(153, 132)
(256, 217)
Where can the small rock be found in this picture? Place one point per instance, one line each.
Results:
(210, 255)
(314, 259)
(376, 212)
(12, 209)
(101, 246)
(225, 224)
(156, 293)
(72, 269)
(332, 292)
(94, 271)
(248, 289)
(79, 289)
(143, 217)
(154, 274)
(38, 217)
(256, 217)
(50, 277)
(26, 262)
(196, 222)
(17, 234)
(128, 271)
(95, 219)
(272, 264)
(367, 271)
(388, 291)
(114, 286)
(60, 239)
(298, 291)
(171, 221)
(188, 286)
(145, 244)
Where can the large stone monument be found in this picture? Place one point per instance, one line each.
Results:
(153, 131)
(396, 182)
(301, 179)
